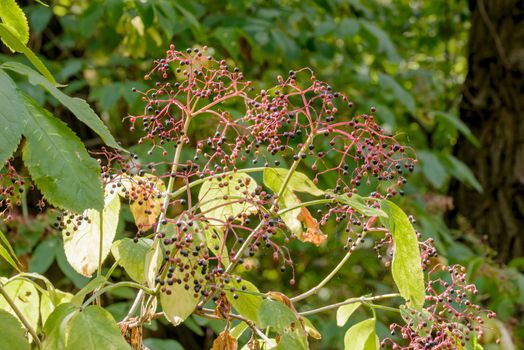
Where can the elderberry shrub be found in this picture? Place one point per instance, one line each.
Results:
(208, 215)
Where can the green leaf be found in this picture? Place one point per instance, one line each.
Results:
(406, 267)
(26, 299)
(82, 245)
(344, 313)
(11, 332)
(14, 18)
(77, 106)
(432, 168)
(389, 84)
(96, 282)
(459, 125)
(44, 255)
(55, 327)
(15, 44)
(358, 203)
(162, 344)
(131, 256)
(234, 188)
(230, 40)
(295, 340)
(273, 313)
(299, 182)
(59, 163)
(461, 171)
(93, 329)
(13, 116)
(7, 253)
(384, 42)
(249, 300)
(50, 300)
(361, 336)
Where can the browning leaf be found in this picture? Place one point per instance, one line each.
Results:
(225, 341)
(313, 233)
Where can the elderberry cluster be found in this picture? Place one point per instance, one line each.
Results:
(449, 320)
(224, 124)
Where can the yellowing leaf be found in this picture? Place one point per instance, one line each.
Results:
(82, 236)
(15, 20)
(294, 219)
(222, 199)
(361, 336)
(180, 303)
(145, 195)
(26, 299)
(299, 182)
(344, 313)
(225, 341)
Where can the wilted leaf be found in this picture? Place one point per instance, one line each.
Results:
(310, 329)
(225, 341)
(82, 236)
(313, 233)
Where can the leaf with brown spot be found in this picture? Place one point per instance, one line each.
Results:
(313, 233)
(225, 341)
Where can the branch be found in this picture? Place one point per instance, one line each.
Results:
(363, 300)
(319, 286)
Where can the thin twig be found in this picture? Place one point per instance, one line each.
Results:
(363, 299)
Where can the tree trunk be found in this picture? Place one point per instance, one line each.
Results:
(493, 96)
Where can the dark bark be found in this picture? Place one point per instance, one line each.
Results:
(492, 106)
